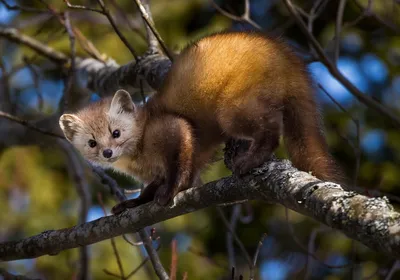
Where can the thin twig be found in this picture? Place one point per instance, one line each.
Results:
(260, 243)
(112, 274)
(145, 260)
(36, 82)
(338, 28)
(155, 260)
(229, 237)
(311, 249)
(124, 15)
(14, 35)
(245, 17)
(75, 170)
(154, 45)
(150, 23)
(22, 8)
(174, 260)
(384, 22)
(131, 242)
(245, 219)
(144, 236)
(368, 101)
(114, 246)
(80, 7)
(29, 125)
(107, 13)
(72, 69)
(237, 239)
(5, 98)
(365, 13)
(395, 267)
(306, 249)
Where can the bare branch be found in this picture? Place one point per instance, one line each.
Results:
(71, 71)
(13, 34)
(80, 7)
(107, 13)
(124, 16)
(147, 241)
(245, 17)
(75, 170)
(368, 101)
(338, 28)
(29, 125)
(146, 259)
(260, 243)
(154, 44)
(305, 249)
(22, 8)
(381, 20)
(229, 238)
(174, 261)
(311, 249)
(150, 23)
(152, 252)
(372, 221)
(395, 267)
(113, 245)
(237, 239)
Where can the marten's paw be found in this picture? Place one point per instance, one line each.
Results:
(242, 165)
(163, 195)
(121, 207)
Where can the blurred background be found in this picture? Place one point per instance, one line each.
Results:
(38, 193)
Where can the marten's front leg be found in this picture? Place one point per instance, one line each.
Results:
(179, 149)
(145, 196)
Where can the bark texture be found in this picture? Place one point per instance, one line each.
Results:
(372, 221)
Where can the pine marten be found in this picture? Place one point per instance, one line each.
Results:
(236, 85)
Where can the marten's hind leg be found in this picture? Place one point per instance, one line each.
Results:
(259, 122)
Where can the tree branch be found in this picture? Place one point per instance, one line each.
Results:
(372, 221)
(363, 98)
(144, 236)
(14, 35)
(106, 79)
(146, 15)
(76, 173)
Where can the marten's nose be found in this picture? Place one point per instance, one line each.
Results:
(107, 153)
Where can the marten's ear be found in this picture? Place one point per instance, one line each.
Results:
(70, 125)
(121, 103)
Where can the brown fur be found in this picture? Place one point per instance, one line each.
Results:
(249, 86)
(240, 85)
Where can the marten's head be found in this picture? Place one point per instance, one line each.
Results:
(104, 130)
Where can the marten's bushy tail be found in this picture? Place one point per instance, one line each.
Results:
(305, 141)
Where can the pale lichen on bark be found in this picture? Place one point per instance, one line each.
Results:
(107, 78)
(372, 221)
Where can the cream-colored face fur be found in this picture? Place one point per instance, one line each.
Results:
(94, 130)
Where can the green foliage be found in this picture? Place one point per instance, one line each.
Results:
(36, 193)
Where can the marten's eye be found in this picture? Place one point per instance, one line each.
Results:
(116, 133)
(92, 143)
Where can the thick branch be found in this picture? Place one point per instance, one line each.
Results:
(106, 79)
(371, 221)
(103, 78)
